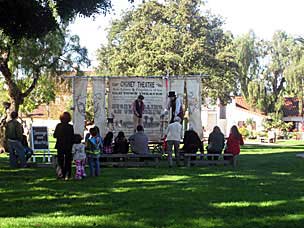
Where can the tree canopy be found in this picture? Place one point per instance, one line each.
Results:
(34, 40)
(269, 70)
(173, 38)
(33, 19)
(29, 59)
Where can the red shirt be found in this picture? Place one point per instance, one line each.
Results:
(233, 144)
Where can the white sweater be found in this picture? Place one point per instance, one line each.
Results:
(173, 131)
(78, 151)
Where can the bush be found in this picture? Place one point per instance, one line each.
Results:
(252, 135)
(244, 132)
(262, 134)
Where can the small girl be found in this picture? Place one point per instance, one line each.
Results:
(93, 147)
(107, 143)
(121, 144)
(79, 156)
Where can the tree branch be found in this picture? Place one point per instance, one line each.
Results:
(4, 69)
(33, 85)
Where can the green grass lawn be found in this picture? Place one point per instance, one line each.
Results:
(266, 190)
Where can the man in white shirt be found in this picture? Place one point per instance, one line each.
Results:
(173, 137)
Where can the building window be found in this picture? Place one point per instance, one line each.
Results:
(222, 112)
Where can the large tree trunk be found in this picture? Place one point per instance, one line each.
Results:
(16, 95)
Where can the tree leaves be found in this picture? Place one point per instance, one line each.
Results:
(34, 19)
(171, 38)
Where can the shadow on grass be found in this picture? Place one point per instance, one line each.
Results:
(266, 190)
(255, 147)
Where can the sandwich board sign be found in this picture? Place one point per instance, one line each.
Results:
(40, 141)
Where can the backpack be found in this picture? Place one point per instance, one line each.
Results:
(93, 147)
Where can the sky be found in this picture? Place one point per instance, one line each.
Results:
(264, 17)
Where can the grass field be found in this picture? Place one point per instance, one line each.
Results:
(266, 190)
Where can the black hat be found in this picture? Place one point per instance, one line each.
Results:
(172, 94)
(141, 97)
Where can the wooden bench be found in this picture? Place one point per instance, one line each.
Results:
(130, 160)
(202, 159)
(125, 160)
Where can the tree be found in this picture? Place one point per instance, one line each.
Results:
(171, 38)
(33, 19)
(25, 61)
(279, 53)
(32, 39)
(263, 66)
(248, 55)
(294, 73)
(34, 42)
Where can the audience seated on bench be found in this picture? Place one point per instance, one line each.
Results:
(216, 143)
(192, 143)
(139, 141)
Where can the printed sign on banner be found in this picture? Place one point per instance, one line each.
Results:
(194, 105)
(123, 92)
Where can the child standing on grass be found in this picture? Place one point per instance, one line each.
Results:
(79, 157)
(93, 148)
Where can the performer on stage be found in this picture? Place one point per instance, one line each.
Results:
(176, 105)
(138, 107)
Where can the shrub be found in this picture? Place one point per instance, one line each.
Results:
(244, 132)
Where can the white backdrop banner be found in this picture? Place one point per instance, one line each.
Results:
(99, 104)
(123, 91)
(194, 104)
(80, 96)
(177, 85)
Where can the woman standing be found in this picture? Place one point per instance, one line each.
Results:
(234, 141)
(64, 133)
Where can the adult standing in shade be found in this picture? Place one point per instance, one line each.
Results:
(14, 136)
(64, 133)
(138, 107)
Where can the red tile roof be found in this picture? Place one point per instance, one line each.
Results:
(240, 102)
(291, 106)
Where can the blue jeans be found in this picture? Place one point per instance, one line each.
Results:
(16, 152)
(94, 165)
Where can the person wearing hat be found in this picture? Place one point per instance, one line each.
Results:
(138, 107)
(176, 105)
(173, 137)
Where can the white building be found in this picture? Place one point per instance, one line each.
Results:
(235, 113)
